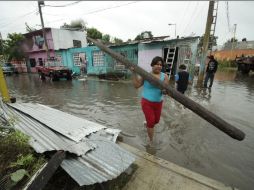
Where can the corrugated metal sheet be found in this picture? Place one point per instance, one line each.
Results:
(68, 125)
(104, 161)
(42, 138)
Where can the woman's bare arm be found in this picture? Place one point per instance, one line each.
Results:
(166, 80)
(137, 81)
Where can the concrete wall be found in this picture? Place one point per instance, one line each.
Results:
(230, 55)
(63, 39)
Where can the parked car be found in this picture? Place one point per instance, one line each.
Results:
(53, 71)
(8, 68)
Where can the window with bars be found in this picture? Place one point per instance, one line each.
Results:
(98, 58)
(76, 59)
(59, 59)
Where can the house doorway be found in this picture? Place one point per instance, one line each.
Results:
(170, 57)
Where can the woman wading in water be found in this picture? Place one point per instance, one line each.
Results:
(152, 97)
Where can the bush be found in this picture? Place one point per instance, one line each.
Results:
(226, 63)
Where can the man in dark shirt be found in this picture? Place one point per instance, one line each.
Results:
(210, 71)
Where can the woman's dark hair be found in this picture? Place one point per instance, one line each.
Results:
(182, 67)
(156, 60)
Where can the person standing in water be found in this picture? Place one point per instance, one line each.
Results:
(182, 79)
(152, 97)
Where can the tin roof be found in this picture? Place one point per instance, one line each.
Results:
(99, 158)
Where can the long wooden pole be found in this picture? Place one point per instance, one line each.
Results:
(187, 102)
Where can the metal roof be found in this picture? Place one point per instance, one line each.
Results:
(101, 159)
(42, 138)
(68, 125)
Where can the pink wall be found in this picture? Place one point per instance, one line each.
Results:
(33, 50)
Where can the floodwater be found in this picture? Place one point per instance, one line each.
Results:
(181, 137)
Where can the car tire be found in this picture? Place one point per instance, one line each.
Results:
(53, 77)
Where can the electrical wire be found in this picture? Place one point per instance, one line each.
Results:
(181, 21)
(227, 11)
(66, 5)
(96, 11)
(17, 18)
(192, 17)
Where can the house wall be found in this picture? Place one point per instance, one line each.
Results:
(231, 55)
(56, 39)
(68, 61)
(129, 51)
(63, 39)
(187, 49)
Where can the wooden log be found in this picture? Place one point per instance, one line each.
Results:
(44, 176)
(187, 102)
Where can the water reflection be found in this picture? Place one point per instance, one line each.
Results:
(181, 136)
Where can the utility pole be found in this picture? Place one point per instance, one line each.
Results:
(233, 41)
(43, 29)
(209, 22)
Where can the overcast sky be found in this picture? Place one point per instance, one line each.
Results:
(127, 19)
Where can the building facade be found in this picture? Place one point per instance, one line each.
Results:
(57, 39)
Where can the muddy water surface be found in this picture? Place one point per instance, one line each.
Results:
(181, 137)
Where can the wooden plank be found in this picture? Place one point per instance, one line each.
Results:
(46, 173)
(187, 102)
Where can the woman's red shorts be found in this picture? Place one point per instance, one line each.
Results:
(152, 111)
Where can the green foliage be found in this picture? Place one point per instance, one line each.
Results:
(25, 161)
(12, 46)
(225, 64)
(117, 41)
(214, 40)
(18, 138)
(143, 35)
(16, 155)
(106, 38)
(94, 33)
(75, 25)
(1, 47)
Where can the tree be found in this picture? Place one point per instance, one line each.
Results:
(233, 40)
(75, 25)
(143, 35)
(213, 39)
(94, 33)
(12, 47)
(117, 40)
(106, 38)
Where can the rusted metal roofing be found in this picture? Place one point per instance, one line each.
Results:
(99, 160)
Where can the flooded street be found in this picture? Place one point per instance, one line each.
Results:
(181, 137)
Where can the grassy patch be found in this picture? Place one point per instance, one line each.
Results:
(16, 156)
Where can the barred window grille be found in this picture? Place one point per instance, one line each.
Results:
(98, 58)
(76, 59)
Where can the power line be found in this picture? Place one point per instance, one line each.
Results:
(17, 18)
(98, 10)
(185, 11)
(104, 9)
(192, 17)
(66, 5)
(227, 11)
